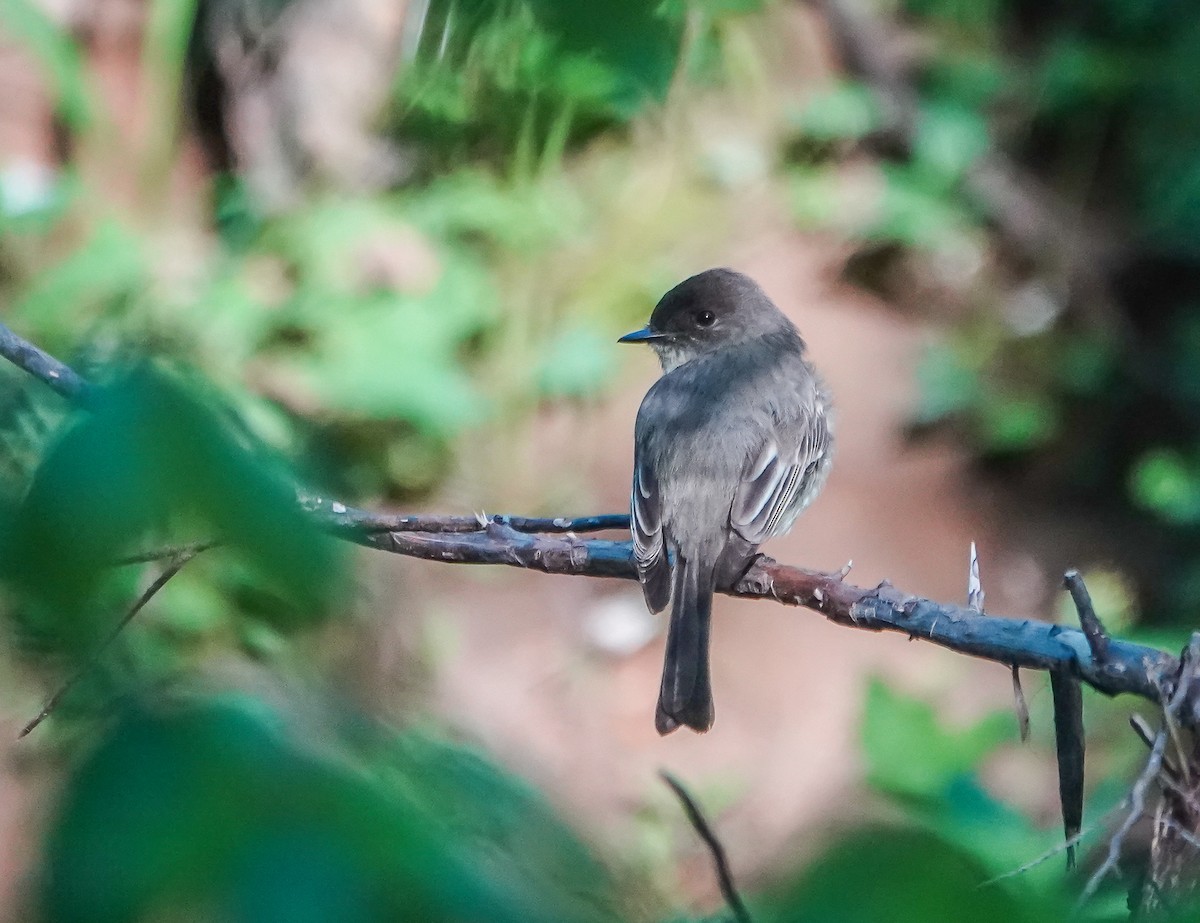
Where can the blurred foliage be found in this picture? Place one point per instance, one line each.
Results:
(153, 462)
(366, 331)
(228, 808)
(363, 333)
(949, 853)
(1094, 398)
(519, 80)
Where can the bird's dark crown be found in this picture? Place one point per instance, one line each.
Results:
(716, 306)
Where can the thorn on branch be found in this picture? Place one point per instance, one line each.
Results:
(974, 586)
(1019, 703)
(1097, 638)
(1069, 748)
(720, 861)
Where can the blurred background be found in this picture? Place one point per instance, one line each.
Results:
(384, 249)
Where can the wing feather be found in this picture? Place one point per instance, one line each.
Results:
(649, 551)
(780, 481)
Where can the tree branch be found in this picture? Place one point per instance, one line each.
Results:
(550, 545)
(729, 890)
(44, 367)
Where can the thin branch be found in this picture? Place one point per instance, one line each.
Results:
(720, 861)
(1137, 808)
(173, 568)
(340, 516)
(168, 552)
(1144, 732)
(1093, 629)
(1055, 850)
(44, 367)
(1137, 797)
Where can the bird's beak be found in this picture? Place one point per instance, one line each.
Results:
(646, 335)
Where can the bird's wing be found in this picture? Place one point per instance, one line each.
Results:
(649, 549)
(781, 480)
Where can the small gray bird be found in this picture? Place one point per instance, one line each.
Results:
(731, 444)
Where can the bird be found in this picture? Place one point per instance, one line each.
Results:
(731, 444)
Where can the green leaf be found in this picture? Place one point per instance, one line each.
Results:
(233, 806)
(902, 876)
(57, 54)
(397, 362)
(918, 212)
(846, 112)
(817, 198)
(946, 383)
(579, 362)
(108, 267)
(909, 752)
(949, 140)
(1168, 485)
(149, 456)
(1015, 424)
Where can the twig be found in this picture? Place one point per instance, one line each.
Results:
(1055, 850)
(167, 552)
(1184, 834)
(44, 367)
(1137, 795)
(1093, 630)
(340, 516)
(720, 861)
(174, 567)
(1137, 807)
(1177, 742)
(1142, 728)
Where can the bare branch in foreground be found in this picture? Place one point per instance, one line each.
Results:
(1146, 735)
(44, 367)
(1131, 668)
(551, 546)
(174, 567)
(720, 861)
(341, 516)
(1182, 687)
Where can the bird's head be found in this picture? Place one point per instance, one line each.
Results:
(710, 310)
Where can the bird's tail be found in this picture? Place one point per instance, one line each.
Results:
(686, 693)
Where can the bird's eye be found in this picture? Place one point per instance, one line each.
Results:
(705, 318)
